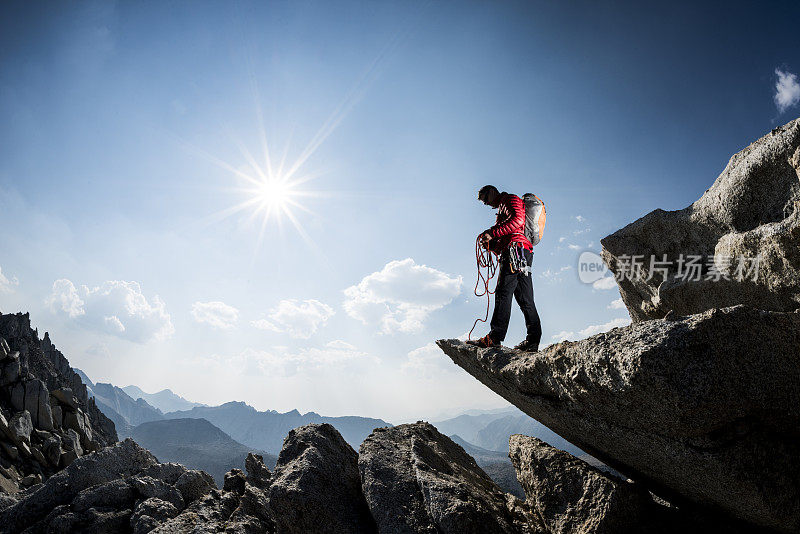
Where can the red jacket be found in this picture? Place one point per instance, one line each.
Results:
(510, 225)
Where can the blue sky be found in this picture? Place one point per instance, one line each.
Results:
(125, 129)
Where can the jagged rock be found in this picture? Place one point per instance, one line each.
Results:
(5, 350)
(118, 493)
(152, 487)
(37, 402)
(235, 481)
(5, 429)
(194, 484)
(72, 442)
(52, 450)
(65, 397)
(11, 451)
(703, 408)
(18, 397)
(149, 513)
(316, 485)
(121, 460)
(57, 416)
(11, 370)
(753, 208)
(257, 473)
(418, 480)
(6, 501)
(21, 427)
(572, 496)
(218, 512)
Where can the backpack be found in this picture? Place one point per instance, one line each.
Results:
(535, 217)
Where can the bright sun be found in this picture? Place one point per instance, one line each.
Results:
(274, 194)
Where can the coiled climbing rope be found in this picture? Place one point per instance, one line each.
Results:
(485, 260)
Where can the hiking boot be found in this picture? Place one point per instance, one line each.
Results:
(483, 342)
(528, 346)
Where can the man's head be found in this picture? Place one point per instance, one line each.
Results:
(489, 195)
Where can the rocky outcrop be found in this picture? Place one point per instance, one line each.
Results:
(697, 408)
(569, 495)
(752, 210)
(316, 486)
(417, 480)
(47, 419)
(121, 488)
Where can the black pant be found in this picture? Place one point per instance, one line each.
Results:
(521, 286)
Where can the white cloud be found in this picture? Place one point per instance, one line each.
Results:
(339, 344)
(590, 330)
(216, 313)
(562, 239)
(6, 285)
(607, 282)
(597, 328)
(300, 318)
(616, 304)
(400, 296)
(580, 218)
(787, 90)
(64, 298)
(555, 276)
(280, 361)
(428, 362)
(573, 247)
(116, 307)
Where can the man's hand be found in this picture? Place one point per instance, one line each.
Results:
(485, 238)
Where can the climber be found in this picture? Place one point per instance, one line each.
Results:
(507, 239)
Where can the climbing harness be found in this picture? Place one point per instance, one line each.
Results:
(516, 259)
(485, 260)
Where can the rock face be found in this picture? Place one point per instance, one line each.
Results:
(316, 486)
(572, 496)
(417, 480)
(704, 409)
(752, 209)
(47, 419)
(119, 489)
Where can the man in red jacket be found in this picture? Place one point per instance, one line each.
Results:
(507, 239)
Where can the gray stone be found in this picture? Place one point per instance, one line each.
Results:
(67, 457)
(72, 442)
(18, 397)
(168, 472)
(5, 429)
(153, 487)
(121, 460)
(6, 501)
(114, 494)
(57, 416)
(151, 512)
(65, 397)
(257, 473)
(572, 496)
(39, 456)
(52, 450)
(316, 484)
(11, 451)
(752, 208)
(11, 371)
(234, 481)
(21, 427)
(36, 396)
(418, 480)
(75, 420)
(194, 484)
(700, 408)
(4, 349)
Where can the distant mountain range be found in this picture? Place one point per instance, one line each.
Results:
(218, 438)
(165, 400)
(196, 443)
(491, 430)
(266, 430)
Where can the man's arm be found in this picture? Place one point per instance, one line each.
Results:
(515, 221)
